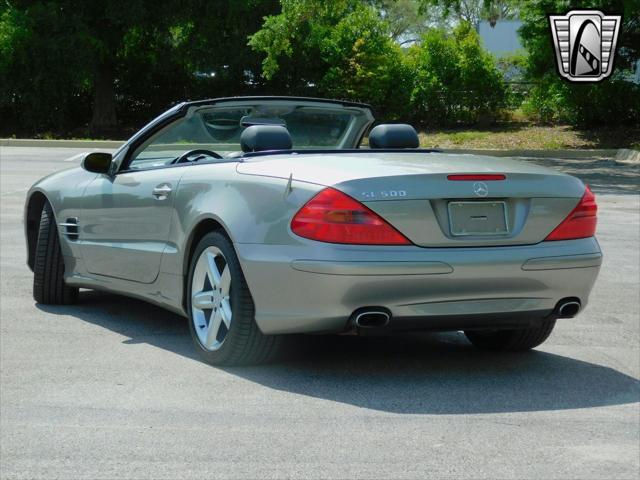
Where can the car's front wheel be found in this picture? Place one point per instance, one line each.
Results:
(221, 309)
(49, 286)
(513, 340)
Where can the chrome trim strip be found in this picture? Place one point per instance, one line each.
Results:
(564, 261)
(371, 268)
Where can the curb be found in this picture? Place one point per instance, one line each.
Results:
(627, 155)
(28, 142)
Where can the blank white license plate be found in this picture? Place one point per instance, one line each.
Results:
(478, 218)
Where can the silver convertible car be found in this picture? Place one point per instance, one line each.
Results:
(261, 216)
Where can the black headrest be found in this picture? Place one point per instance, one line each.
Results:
(396, 135)
(258, 138)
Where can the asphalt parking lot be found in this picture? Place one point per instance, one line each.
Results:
(111, 387)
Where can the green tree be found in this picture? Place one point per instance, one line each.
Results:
(37, 75)
(473, 11)
(339, 48)
(455, 80)
(66, 64)
(64, 51)
(218, 32)
(409, 19)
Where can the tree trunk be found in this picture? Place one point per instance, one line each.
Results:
(104, 119)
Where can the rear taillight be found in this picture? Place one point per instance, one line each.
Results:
(581, 222)
(334, 217)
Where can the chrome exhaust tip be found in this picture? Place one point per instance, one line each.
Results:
(372, 319)
(568, 309)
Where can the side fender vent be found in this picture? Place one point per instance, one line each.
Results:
(70, 228)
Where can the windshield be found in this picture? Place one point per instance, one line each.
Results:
(218, 128)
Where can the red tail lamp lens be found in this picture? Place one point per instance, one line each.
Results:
(581, 222)
(334, 217)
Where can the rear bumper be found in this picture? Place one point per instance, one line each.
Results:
(316, 287)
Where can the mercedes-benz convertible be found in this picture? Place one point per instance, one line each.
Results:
(256, 217)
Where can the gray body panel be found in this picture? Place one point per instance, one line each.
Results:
(136, 244)
(124, 228)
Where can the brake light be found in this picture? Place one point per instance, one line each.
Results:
(475, 177)
(581, 222)
(334, 217)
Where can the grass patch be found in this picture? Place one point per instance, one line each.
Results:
(460, 138)
(522, 136)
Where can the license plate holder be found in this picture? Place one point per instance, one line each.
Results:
(479, 218)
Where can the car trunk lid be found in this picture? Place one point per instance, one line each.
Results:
(421, 195)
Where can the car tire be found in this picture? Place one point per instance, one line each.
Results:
(511, 340)
(243, 342)
(49, 286)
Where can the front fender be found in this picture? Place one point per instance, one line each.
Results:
(64, 192)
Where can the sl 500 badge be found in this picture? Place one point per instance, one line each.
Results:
(385, 194)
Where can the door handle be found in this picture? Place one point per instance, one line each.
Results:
(162, 191)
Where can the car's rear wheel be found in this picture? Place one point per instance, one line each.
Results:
(48, 267)
(221, 309)
(513, 340)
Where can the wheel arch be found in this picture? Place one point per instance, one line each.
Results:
(202, 228)
(35, 204)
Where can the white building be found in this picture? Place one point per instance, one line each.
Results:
(502, 38)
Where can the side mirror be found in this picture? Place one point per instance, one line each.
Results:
(97, 162)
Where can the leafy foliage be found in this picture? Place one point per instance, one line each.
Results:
(74, 67)
(473, 11)
(455, 80)
(36, 88)
(340, 49)
(344, 49)
(65, 62)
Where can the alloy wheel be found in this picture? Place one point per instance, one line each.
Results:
(211, 309)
